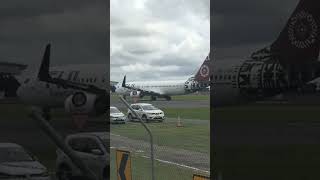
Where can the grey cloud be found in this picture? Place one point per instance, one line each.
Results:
(237, 23)
(148, 36)
(77, 29)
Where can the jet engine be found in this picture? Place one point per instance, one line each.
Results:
(85, 103)
(191, 85)
(135, 94)
(261, 78)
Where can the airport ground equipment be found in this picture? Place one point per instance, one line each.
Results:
(59, 142)
(148, 131)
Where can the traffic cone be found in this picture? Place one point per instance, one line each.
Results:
(179, 124)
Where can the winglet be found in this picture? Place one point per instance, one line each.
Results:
(45, 64)
(124, 81)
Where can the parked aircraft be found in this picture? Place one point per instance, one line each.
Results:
(77, 88)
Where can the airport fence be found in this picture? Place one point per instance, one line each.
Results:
(172, 158)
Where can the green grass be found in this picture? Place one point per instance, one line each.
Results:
(141, 169)
(267, 113)
(188, 113)
(194, 137)
(189, 97)
(201, 113)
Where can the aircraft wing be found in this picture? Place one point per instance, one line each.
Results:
(142, 91)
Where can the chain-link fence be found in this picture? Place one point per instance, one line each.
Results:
(181, 147)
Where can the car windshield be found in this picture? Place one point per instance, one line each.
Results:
(114, 110)
(149, 107)
(14, 154)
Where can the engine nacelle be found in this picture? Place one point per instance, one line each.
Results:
(192, 85)
(261, 78)
(135, 94)
(85, 103)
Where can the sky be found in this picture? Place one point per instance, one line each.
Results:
(150, 39)
(242, 27)
(158, 40)
(77, 30)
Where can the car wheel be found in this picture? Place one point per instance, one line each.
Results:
(144, 118)
(129, 117)
(64, 173)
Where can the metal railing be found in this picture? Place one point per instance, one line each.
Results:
(148, 131)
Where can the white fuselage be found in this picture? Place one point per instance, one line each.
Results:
(235, 82)
(225, 82)
(165, 88)
(39, 93)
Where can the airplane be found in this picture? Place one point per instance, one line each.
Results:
(166, 88)
(80, 89)
(289, 65)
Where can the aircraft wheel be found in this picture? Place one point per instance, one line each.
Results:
(129, 117)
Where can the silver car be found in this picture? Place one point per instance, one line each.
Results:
(116, 116)
(147, 112)
(17, 163)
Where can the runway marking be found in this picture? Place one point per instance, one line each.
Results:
(136, 152)
(168, 162)
(177, 164)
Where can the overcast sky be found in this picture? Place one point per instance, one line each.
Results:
(152, 39)
(242, 27)
(77, 29)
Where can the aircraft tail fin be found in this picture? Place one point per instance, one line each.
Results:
(45, 64)
(300, 39)
(205, 70)
(124, 81)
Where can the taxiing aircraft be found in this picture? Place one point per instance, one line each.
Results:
(166, 89)
(288, 65)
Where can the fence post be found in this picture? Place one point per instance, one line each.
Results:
(149, 132)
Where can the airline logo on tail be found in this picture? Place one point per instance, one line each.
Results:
(204, 71)
(302, 30)
(299, 41)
